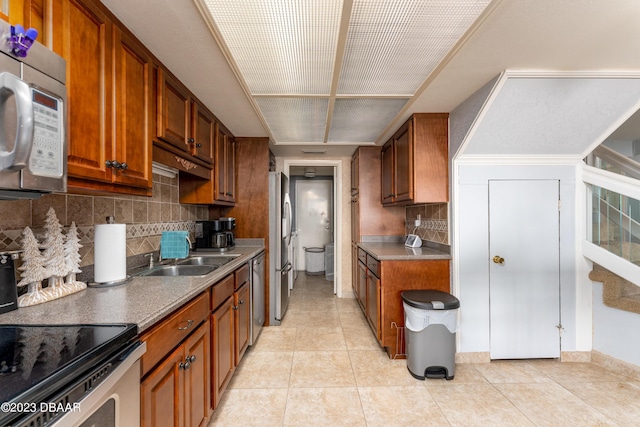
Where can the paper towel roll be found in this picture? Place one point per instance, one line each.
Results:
(110, 252)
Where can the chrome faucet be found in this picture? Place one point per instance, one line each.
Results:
(150, 255)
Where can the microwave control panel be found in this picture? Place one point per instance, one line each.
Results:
(48, 135)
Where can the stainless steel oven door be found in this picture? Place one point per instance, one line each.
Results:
(113, 403)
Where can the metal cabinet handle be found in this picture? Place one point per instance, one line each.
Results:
(116, 164)
(189, 324)
(184, 365)
(235, 307)
(498, 259)
(241, 301)
(191, 358)
(198, 145)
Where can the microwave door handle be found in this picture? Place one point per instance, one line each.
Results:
(18, 157)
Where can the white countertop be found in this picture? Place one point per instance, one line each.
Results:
(143, 300)
(398, 251)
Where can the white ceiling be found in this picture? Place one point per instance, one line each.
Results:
(520, 34)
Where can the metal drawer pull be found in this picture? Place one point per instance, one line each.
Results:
(189, 324)
(241, 301)
(191, 358)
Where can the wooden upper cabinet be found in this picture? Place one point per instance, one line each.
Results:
(174, 112)
(225, 167)
(369, 216)
(89, 88)
(355, 172)
(386, 156)
(109, 100)
(403, 156)
(134, 111)
(204, 132)
(415, 162)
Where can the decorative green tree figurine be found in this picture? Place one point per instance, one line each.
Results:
(33, 271)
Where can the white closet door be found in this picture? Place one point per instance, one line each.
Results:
(524, 269)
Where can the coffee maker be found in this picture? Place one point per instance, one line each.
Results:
(8, 281)
(216, 235)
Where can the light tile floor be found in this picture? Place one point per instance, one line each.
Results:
(323, 367)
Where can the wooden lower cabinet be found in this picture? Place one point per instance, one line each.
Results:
(222, 349)
(176, 392)
(383, 282)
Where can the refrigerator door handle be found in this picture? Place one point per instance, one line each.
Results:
(287, 268)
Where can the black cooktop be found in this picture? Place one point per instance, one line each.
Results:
(38, 360)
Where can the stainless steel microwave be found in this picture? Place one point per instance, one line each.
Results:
(33, 138)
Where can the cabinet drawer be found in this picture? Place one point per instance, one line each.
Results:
(221, 291)
(373, 265)
(170, 333)
(362, 256)
(242, 275)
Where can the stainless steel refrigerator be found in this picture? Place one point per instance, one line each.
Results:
(279, 241)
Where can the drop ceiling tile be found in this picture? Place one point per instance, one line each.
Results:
(362, 120)
(393, 46)
(280, 47)
(295, 120)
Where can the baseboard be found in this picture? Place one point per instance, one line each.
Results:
(485, 357)
(575, 356)
(473, 357)
(618, 366)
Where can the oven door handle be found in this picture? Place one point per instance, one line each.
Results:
(18, 157)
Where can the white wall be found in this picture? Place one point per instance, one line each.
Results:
(615, 332)
(471, 256)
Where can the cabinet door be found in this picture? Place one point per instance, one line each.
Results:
(386, 190)
(403, 163)
(203, 132)
(197, 395)
(373, 303)
(174, 105)
(89, 88)
(230, 163)
(133, 111)
(355, 172)
(362, 286)
(242, 321)
(225, 166)
(35, 14)
(354, 269)
(162, 393)
(223, 350)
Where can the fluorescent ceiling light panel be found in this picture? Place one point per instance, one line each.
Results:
(280, 47)
(295, 119)
(393, 46)
(362, 120)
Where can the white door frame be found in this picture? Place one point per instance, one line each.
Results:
(337, 211)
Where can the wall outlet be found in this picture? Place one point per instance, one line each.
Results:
(417, 222)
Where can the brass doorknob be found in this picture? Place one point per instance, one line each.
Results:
(498, 259)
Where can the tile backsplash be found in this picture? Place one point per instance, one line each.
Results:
(434, 222)
(146, 217)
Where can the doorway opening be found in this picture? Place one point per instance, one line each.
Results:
(315, 186)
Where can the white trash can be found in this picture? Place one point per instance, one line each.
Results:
(314, 261)
(328, 261)
(430, 321)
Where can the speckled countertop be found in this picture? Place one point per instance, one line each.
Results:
(398, 251)
(143, 301)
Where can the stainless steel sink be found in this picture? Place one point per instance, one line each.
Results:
(208, 260)
(178, 270)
